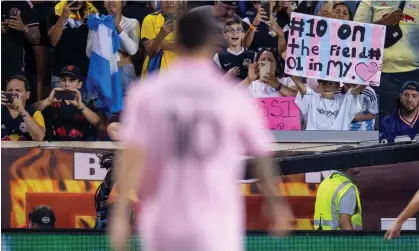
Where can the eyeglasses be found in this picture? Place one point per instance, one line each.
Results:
(271, 49)
(231, 30)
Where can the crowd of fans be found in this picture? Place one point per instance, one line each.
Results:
(47, 45)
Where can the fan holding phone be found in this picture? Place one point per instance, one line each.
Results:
(67, 116)
(19, 121)
(263, 78)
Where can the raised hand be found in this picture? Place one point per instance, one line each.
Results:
(233, 72)
(260, 16)
(68, 9)
(15, 23)
(253, 73)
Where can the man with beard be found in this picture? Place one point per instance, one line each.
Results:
(338, 204)
(403, 123)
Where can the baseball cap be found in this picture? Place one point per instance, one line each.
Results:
(72, 71)
(43, 216)
(410, 85)
(231, 3)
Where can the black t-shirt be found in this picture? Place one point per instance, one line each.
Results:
(242, 60)
(66, 123)
(262, 38)
(137, 9)
(16, 125)
(13, 42)
(71, 49)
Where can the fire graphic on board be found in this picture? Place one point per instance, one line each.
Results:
(50, 172)
(43, 171)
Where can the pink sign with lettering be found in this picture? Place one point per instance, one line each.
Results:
(281, 113)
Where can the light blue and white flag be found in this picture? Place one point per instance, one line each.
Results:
(103, 77)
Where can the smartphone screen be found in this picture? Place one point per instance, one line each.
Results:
(65, 95)
(169, 18)
(266, 6)
(9, 97)
(264, 68)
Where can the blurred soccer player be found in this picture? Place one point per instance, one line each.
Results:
(183, 133)
(411, 209)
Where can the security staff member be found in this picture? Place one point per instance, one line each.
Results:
(338, 205)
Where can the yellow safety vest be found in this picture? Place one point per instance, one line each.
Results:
(329, 194)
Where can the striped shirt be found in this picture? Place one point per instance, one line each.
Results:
(369, 103)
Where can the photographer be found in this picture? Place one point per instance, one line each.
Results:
(67, 117)
(19, 122)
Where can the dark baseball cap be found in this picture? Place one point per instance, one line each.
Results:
(43, 216)
(410, 85)
(231, 3)
(72, 71)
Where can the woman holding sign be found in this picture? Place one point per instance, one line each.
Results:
(323, 110)
(264, 79)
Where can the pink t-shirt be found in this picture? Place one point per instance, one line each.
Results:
(194, 127)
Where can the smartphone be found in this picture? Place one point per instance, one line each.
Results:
(169, 18)
(11, 96)
(264, 68)
(65, 95)
(266, 6)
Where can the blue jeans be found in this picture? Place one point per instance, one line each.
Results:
(127, 76)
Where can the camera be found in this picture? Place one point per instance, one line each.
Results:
(106, 160)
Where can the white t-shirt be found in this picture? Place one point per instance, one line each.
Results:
(325, 114)
(258, 89)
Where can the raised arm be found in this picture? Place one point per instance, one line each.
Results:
(56, 31)
(252, 75)
(358, 90)
(89, 45)
(250, 34)
(155, 41)
(300, 85)
(130, 39)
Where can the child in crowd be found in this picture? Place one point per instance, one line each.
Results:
(234, 60)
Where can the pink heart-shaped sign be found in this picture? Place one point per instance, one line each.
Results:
(365, 72)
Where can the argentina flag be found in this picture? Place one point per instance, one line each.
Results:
(103, 77)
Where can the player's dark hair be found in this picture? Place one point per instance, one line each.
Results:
(351, 16)
(193, 31)
(232, 21)
(279, 69)
(20, 78)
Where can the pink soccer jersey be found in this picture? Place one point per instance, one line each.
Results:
(194, 127)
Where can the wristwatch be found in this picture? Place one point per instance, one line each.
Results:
(26, 29)
(279, 87)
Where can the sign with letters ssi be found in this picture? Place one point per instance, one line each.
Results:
(335, 50)
(281, 113)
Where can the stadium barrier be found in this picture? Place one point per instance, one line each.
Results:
(70, 239)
